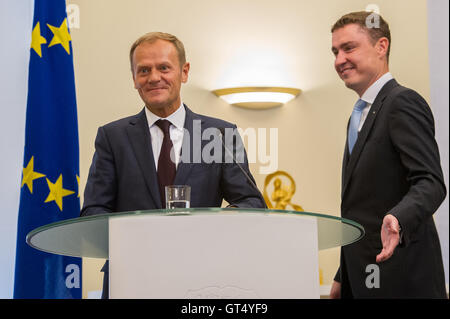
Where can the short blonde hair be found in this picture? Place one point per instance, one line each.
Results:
(152, 37)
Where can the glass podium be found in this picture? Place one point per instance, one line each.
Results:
(203, 252)
(88, 236)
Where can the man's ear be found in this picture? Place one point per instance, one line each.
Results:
(383, 46)
(185, 72)
(134, 79)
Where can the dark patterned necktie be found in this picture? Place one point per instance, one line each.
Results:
(166, 164)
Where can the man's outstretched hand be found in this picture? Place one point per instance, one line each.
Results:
(390, 237)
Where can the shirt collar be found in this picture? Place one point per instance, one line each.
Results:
(176, 118)
(372, 92)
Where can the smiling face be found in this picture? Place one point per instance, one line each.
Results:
(359, 60)
(157, 76)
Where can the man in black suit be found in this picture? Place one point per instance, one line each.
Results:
(137, 156)
(392, 181)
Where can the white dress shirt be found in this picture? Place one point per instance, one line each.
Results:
(176, 132)
(370, 95)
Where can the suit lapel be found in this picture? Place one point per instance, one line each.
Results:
(140, 140)
(350, 161)
(191, 136)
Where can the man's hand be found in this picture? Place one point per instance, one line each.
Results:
(335, 292)
(390, 237)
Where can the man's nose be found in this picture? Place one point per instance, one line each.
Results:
(340, 59)
(154, 76)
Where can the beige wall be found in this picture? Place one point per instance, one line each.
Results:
(244, 42)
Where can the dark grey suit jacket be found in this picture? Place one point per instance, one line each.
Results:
(123, 176)
(394, 169)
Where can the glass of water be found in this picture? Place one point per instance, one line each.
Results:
(178, 196)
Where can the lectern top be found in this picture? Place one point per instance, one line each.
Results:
(88, 236)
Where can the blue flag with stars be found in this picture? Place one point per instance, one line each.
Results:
(49, 187)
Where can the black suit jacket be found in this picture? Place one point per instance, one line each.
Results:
(394, 169)
(122, 176)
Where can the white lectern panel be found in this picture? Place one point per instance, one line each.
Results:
(214, 256)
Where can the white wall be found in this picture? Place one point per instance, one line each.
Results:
(16, 18)
(438, 25)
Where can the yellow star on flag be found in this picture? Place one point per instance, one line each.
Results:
(29, 175)
(61, 36)
(78, 181)
(57, 192)
(37, 39)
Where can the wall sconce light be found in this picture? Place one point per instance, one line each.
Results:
(257, 97)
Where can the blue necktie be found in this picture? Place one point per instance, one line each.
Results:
(354, 123)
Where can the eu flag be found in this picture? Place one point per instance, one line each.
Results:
(49, 187)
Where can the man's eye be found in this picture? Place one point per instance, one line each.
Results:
(349, 48)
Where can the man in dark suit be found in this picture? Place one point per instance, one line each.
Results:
(392, 181)
(136, 157)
